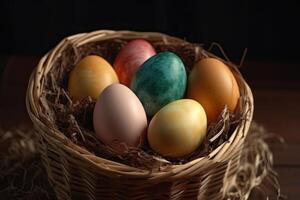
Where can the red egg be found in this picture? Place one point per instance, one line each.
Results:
(131, 57)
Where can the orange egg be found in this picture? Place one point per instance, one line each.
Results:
(213, 85)
(90, 77)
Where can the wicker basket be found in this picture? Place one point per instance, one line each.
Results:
(75, 173)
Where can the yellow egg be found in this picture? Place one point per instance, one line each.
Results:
(90, 77)
(213, 85)
(178, 128)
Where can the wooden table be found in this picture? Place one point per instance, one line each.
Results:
(277, 109)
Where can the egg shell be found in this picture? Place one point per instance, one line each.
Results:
(213, 85)
(119, 118)
(90, 76)
(178, 129)
(160, 80)
(130, 58)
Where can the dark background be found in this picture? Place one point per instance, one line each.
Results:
(268, 29)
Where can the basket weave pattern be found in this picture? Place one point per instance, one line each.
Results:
(75, 173)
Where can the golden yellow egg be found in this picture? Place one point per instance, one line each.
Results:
(178, 128)
(90, 77)
(213, 85)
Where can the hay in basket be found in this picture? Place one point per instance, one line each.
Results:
(81, 167)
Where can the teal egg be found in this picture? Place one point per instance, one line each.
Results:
(159, 81)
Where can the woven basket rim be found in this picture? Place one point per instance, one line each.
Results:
(112, 167)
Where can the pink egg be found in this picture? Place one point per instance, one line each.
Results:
(131, 57)
(119, 118)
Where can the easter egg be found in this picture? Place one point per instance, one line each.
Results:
(160, 80)
(177, 129)
(130, 58)
(119, 118)
(90, 76)
(213, 85)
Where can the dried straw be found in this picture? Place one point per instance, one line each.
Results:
(23, 176)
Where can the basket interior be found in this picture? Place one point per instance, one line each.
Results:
(74, 119)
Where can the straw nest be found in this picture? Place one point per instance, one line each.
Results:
(78, 163)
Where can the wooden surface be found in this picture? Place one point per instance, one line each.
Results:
(277, 107)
